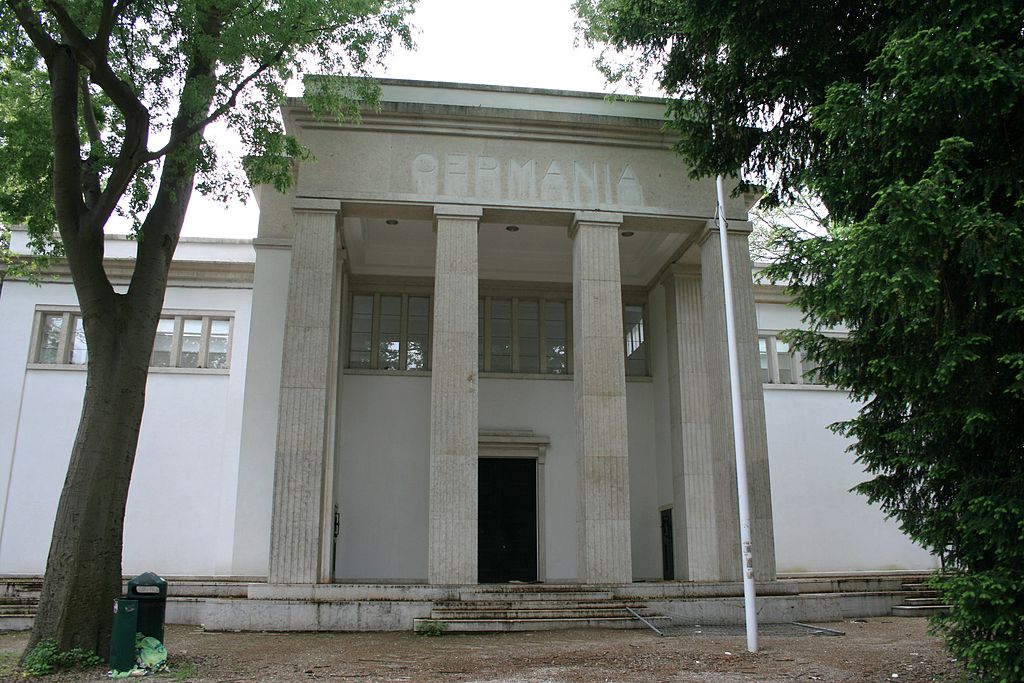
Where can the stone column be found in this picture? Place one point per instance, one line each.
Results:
(604, 553)
(299, 546)
(694, 525)
(752, 396)
(454, 402)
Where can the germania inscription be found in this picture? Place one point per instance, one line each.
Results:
(557, 180)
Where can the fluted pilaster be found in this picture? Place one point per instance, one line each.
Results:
(599, 382)
(308, 366)
(454, 401)
(694, 523)
(752, 397)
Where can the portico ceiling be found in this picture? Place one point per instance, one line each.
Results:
(530, 252)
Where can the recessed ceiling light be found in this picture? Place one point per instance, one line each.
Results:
(512, 228)
(627, 233)
(392, 221)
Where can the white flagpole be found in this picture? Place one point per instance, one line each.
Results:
(747, 557)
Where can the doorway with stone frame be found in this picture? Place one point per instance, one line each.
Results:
(510, 522)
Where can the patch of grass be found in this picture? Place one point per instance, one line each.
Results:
(44, 659)
(8, 663)
(432, 629)
(183, 672)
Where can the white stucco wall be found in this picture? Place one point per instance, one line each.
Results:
(181, 501)
(820, 526)
(382, 473)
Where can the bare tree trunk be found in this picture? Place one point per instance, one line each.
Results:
(83, 569)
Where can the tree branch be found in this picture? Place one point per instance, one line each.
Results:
(33, 27)
(228, 104)
(136, 137)
(91, 180)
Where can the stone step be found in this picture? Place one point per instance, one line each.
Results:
(8, 600)
(554, 613)
(18, 587)
(537, 604)
(523, 596)
(919, 610)
(923, 601)
(918, 586)
(16, 622)
(502, 625)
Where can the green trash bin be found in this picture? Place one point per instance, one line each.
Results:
(150, 591)
(122, 636)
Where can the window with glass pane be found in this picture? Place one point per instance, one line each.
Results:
(555, 338)
(636, 347)
(762, 357)
(191, 343)
(809, 370)
(529, 335)
(79, 356)
(418, 332)
(360, 346)
(501, 335)
(390, 345)
(162, 344)
(49, 338)
(784, 359)
(217, 350)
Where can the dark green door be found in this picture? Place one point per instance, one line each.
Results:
(507, 529)
(668, 563)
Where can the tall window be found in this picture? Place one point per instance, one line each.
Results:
(182, 341)
(781, 364)
(523, 335)
(635, 340)
(389, 332)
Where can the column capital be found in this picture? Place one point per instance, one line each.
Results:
(679, 271)
(458, 211)
(597, 218)
(313, 205)
(732, 227)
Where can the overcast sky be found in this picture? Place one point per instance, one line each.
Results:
(527, 43)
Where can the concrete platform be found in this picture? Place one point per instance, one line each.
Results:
(245, 605)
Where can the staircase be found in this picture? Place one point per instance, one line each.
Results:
(18, 602)
(922, 601)
(535, 607)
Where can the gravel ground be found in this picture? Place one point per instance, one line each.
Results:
(883, 649)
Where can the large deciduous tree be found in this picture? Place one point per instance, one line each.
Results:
(907, 119)
(111, 100)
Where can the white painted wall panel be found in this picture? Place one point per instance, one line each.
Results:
(382, 472)
(645, 522)
(820, 526)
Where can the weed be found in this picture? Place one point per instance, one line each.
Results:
(431, 628)
(183, 672)
(45, 659)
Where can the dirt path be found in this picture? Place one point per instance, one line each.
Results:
(885, 649)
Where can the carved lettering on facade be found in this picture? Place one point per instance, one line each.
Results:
(456, 175)
(553, 185)
(522, 179)
(585, 183)
(488, 178)
(424, 174)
